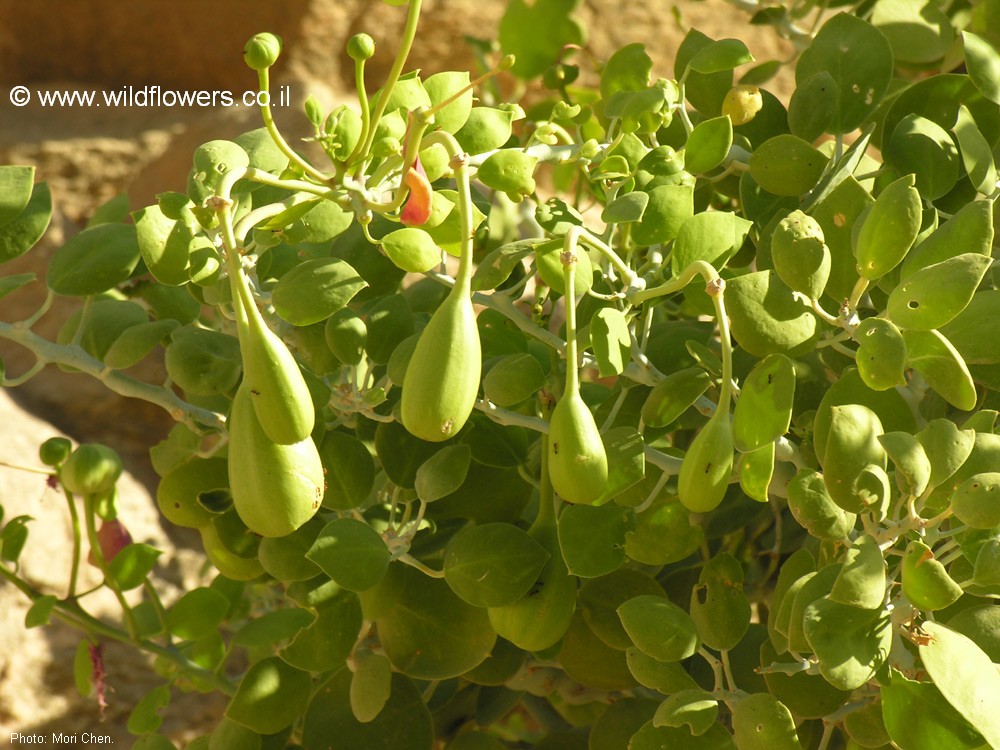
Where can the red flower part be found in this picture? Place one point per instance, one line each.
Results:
(113, 537)
(98, 675)
(417, 209)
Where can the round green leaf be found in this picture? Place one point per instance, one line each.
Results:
(983, 63)
(923, 147)
(352, 553)
(493, 565)
(197, 613)
(611, 341)
(659, 628)
(861, 580)
(719, 608)
(94, 261)
(270, 697)
(668, 208)
(509, 171)
(137, 342)
(21, 233)
(889, 228)
(370, 685)
(850, 643)
(16, 185)
(404, 723)
(764, 410)
(314, 290)
(762, 722)
(592, 538)
(485, 129)
(513, 379)
(325, 644)
(427, 631)
(412, 249)
(711, 236)
(919, 33)
(766, 317)
(977, 157)
(443, 473)
(813, 106)
(600, 598)
(708, 145)
(349, 469)
(663, 534)
(965, 676)
(881, 355)
(673, 395)
(933, 356)
(590, 661)
(786, 165)
(917, 717)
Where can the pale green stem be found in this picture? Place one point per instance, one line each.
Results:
(102, 564)
(263, 78)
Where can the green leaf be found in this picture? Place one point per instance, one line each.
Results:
(21, 233)
(550, 268)
(592, 538)
(94, 261)
(971, 331)
(510, 171)
(515, 378)
(625, 450)
(983, 63)
(889, 229)
(813, 106)
(711, 236)
(913, 468)
(705, 92)
(918, 717)
(970, 230)
(427, 631)
(321, 223)
(933, 356)
(197, 613)
(709, 143)
(611, 341)
(371, 685)
(977, 157)
(411, 249)
(766, 318)
(442, 86)
(756, 471)
(349, 468)
(588, 660)
(694, 708)
(881, 355)
(806, 695)
(850, 643)
(83, 668)
(719, 608)
(600, 598)
(965, 676)
(861, 581)
(786, 165)
(135, 343)
(315, 289)
(132, 564)
(326, 643)
(145, 718)
(626, 208)
(673, 395)
(926, 149)
(443, 473)
(668, 208)
(651, 737)
(10, 284)
(724, 54)
(499, 264)
(628, 69)
(764, 410)
(404, 723)
(918, 32)
(16, 185)
(271, 695)
(762, 722)
(40, 611)
(659, 628)
(936, 294)
(535, 33)
(485, 129)
(273, 627)
(352, 553)
(493, 565)
(663, 534)
(858, 58)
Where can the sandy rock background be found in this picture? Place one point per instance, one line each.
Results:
(89, 155)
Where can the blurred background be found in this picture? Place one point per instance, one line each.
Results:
(90, 155)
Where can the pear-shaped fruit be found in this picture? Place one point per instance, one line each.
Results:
(270, 373)
(578, 464)
(442, 378)
(708, 465)
(276, 488)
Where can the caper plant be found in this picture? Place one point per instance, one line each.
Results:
(651, 413)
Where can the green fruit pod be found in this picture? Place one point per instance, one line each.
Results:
(91, 469)
(976, 502)
(261, 51)
(442, 378)
(270, 373)
(708, 465)
(881, 354)
(926, 583)
(360, 47)
(889, 229)
(578, 463)
(800, 255)
(276, 488)
(54, 451)
(814, 509)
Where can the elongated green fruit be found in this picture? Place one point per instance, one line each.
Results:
(578, 463)
(442, 378)
(276, 488)
(275, 383)
(708, 465)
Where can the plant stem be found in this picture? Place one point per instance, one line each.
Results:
(263, 80)
(74, 516)
(102, 564)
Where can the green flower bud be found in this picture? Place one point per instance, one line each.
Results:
(91, 469)
(360, 47)
(54, 451)
(262, 51)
